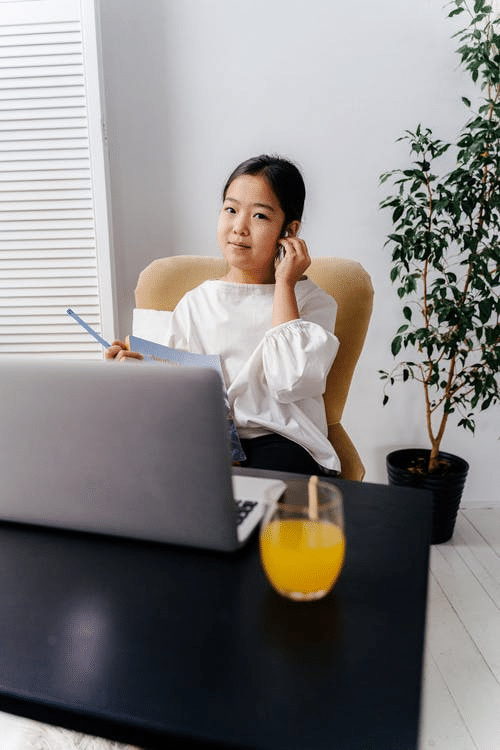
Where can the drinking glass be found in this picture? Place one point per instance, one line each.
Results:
(302, 543)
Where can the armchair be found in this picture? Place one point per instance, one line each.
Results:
(164, 281)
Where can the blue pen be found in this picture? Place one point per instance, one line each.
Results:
(88, 328)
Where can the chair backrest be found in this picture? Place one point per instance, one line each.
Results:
(164, 281)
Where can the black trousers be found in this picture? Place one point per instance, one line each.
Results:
(277, 453)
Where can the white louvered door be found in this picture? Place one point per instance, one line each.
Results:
(54, 238)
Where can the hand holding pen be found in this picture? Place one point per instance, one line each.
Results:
(120, 351)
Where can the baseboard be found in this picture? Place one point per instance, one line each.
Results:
(483, 504)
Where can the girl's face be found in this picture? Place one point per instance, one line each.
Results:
(249, 227)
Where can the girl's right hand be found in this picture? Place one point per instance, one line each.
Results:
(119, 351)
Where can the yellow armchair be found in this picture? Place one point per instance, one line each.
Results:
(164, 281)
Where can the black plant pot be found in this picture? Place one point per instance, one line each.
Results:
(446, 486)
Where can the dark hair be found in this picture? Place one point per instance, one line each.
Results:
(283, 178)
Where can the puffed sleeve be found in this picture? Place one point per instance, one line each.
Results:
(297, 357)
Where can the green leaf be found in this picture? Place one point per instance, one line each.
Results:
(411, 284)
(396, 345)
(397, 213)
(466, 101)
(468, 424)
(485, 310)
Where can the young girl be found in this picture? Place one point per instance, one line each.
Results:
(271, 326)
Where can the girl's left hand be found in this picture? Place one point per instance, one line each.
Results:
(295, 262)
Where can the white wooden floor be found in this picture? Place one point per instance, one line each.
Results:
(461, 695)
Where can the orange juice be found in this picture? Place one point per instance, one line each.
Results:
(302, 556)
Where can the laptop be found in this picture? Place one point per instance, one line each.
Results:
(127, 449)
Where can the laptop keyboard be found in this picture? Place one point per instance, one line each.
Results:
(243, 508)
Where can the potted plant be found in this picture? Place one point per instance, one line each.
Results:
(445, 247)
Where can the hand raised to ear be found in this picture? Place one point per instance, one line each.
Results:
(295, 262)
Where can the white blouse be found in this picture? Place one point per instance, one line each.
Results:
(275, 377)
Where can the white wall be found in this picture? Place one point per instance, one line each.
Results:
(193, 87)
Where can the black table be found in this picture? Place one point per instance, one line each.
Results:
(143, 643)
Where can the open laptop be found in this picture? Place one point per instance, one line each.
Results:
(136, 450)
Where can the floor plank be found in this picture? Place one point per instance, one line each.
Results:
(441, 725)
(466, 674)
(481, 558)
(472, 605)
(487, 522)
(461, 695)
